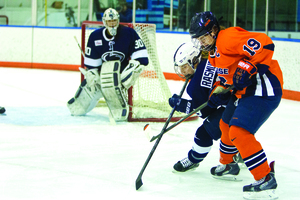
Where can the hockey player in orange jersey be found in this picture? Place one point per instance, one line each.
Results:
(243, 59)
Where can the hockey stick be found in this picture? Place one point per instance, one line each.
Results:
(188, 115)
(138, 182)
(79, 46)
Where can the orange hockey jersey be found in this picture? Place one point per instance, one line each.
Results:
(234, 44)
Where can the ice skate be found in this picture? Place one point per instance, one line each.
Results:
(226, 172)
(263, 188)
(185, 165)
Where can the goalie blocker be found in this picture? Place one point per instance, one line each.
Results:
(107, 86)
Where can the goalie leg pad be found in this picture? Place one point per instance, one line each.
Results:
(115, 96)
(84, 100)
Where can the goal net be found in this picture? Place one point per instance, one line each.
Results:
(148, 98)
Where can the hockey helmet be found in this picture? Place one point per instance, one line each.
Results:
(185, 59)
(111, 20)
(202, 24)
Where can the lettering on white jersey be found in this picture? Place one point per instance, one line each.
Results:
(98, 42)
(208, 76)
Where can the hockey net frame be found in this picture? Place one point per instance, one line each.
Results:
(137, 102)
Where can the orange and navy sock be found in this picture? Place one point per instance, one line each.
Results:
(227, 149)
(251, 151)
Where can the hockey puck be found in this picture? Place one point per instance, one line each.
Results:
(147, 130)
(146, 126)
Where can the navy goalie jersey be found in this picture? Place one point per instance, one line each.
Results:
(200, 86)
(124, 46)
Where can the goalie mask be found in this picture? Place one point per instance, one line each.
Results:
(186, 59)
(111, 21)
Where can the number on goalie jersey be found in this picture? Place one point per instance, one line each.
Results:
(110, 44)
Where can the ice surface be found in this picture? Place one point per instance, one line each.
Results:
(47, 154)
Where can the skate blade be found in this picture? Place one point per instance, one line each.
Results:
(263, 195)
(189, 170)
(180, 172)
(228, 177)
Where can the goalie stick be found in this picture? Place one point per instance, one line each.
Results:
(79, 46)
(138, 182)
(190, 114)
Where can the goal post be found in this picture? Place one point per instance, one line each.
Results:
(148, 97)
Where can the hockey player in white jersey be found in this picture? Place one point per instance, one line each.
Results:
(115, 56)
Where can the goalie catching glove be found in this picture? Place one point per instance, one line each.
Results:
(182, 105)
(88, 93)
(131, 72)
(243, 74)
(92, 77)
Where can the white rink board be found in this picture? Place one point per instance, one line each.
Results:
(58, 46)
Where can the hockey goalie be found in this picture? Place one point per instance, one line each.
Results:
(115, 56)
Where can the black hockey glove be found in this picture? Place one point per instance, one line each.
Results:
(216, 98)
(182, 105)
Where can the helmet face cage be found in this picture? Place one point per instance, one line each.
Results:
(202, 44)
(202, 25)
(177, 70)
(111, 14)
(186, 54)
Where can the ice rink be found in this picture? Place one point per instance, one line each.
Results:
(45, 153)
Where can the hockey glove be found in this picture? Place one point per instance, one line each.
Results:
(243, 73)
(92, 77)
(216, 98)
(131, 73)
(182, 105)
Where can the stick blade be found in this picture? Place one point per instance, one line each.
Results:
(138, 183)
(153, 138)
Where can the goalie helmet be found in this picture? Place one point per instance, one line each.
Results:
(111, 20)
(202, 25)
(186, 58)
